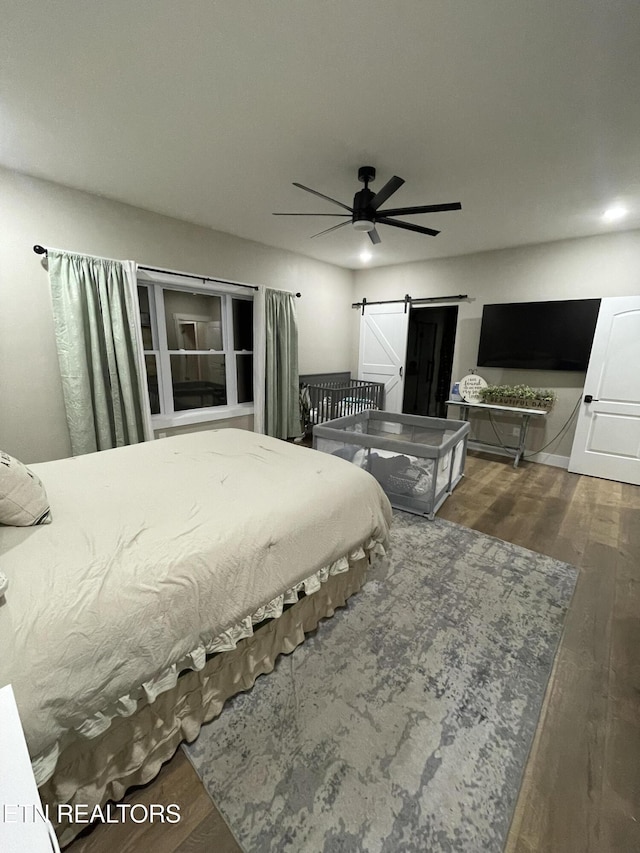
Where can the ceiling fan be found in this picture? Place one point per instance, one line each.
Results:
(366, 214)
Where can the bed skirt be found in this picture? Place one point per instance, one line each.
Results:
(133, 749)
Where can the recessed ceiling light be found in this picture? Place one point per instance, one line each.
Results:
(615, 213)
(365, 256)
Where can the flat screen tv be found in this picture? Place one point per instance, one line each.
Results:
(538, 335)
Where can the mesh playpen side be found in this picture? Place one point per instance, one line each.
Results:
(325, 401)
(418, 461)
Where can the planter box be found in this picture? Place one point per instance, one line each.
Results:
(520, 403)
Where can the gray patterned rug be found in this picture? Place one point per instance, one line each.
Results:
(405, 722)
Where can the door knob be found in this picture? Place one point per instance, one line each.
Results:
(588, 398)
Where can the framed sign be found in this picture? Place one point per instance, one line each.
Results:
(470, 386)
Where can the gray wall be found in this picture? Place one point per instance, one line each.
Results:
(606, 265)
(32, 421)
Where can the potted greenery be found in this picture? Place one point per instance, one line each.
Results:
(519, 395)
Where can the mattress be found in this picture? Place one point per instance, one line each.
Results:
(157, 553)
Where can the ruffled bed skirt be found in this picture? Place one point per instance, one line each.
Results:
(132, 750)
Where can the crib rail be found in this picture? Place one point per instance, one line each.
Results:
(329, 400)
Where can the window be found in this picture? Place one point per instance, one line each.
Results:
(198, 348)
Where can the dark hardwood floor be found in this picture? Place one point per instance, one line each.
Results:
(581, 790)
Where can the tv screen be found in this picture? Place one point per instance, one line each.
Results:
(538, 335)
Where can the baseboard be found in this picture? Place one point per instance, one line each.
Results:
(542, 458)
(550, 459)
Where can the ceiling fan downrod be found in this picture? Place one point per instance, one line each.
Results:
(363, 217)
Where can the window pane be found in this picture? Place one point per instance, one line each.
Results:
(199, 381)
(242, 324)
(143, 300)
(244, 372)
(152, 383)
(193, 320)
(145, 316)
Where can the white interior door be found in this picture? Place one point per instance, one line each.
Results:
(383, 347)
(607, 439)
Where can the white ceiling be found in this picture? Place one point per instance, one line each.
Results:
(526, 111)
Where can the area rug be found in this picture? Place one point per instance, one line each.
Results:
(405, 722)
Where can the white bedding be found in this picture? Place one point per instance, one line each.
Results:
(154, 551)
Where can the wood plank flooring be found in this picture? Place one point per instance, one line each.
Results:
(581, 789)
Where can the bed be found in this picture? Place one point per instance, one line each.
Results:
(131, 618)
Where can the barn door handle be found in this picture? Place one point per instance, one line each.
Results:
(589, 399)
(401, 370)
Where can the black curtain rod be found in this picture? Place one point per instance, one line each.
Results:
(40, 250)
(201, 277)
(409, 300)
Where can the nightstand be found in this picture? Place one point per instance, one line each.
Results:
(22, 826)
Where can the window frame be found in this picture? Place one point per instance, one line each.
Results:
(156, 284)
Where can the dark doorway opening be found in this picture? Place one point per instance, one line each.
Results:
(430, 343)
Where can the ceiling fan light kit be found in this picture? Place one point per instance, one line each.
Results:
(364, 224)
(365, 213)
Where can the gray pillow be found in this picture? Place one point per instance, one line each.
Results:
(23, 500)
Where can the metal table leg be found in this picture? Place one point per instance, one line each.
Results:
(522, 439)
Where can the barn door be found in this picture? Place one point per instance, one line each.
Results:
(383, 346)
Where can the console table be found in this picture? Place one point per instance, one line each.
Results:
(524, 414)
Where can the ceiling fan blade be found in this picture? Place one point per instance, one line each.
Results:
(374, 236)
(424, 208)
(321, 195)
(311, 214)
(333, 228)
(409, 226)
(387, 190)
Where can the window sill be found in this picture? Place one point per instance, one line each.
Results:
(200, 416)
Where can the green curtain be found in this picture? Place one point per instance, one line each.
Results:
(95, 319)
(282, 408)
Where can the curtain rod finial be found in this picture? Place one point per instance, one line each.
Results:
(39, 250)
(298, 294)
